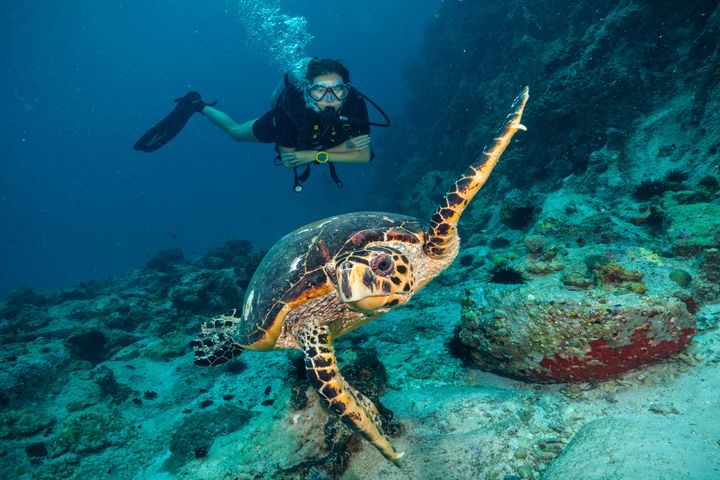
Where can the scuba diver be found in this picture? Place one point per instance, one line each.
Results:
(317, 117)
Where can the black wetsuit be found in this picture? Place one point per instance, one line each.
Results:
(291, 124)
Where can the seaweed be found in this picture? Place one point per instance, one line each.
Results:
(499, 242)
(518, 218)
(506, 275)
(710, 183)
(649, 189)
(676, 176)
(457, 349)
(467, 260)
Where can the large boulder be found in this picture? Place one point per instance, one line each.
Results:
(598, 312)
(571, 336)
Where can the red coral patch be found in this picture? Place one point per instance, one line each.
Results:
(602, 360)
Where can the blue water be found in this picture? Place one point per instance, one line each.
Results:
(83, 79)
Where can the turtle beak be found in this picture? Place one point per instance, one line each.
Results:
(363, 291)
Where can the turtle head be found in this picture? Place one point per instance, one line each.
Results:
(374, 278)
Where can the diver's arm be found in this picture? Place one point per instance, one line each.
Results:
(348, 156)
(288, 156)
(294, 158)
(355, 143)
(354, 150)
(242, 132)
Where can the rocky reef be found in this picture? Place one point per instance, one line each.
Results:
(608, 215)
(576, 335)
(81, 366)
(633, 80)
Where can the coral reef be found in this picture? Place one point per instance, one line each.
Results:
(647, 182)
(592, 259)
(61, 349)
(165, 260)
(582, 61)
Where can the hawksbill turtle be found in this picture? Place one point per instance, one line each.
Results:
(332, 276)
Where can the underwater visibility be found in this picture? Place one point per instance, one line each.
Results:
(263, 239)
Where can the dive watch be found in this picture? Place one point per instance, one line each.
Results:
(322, 157)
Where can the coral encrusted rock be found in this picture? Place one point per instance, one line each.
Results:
(694, 228)
(564, 336)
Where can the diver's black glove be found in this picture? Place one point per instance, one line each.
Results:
(192, 102)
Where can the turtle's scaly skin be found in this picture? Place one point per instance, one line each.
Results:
(332, 276)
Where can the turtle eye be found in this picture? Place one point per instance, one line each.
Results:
(383, 265)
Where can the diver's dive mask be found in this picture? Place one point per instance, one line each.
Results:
(328, 93)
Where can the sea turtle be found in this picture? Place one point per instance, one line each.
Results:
(332, 276)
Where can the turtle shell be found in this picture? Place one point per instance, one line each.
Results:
(292, 272)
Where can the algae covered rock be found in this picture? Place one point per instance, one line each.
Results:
(694, 227)
(92, 432)
(558, 335)
(194, 436)
(15, 424)
(208, 291)
(165, 260)
(18, 299)
(33, 375)
(234, 254)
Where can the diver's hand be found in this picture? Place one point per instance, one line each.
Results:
(297, 158)
(358, 143)
(193, 101)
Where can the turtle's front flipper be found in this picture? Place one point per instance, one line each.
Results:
(355, 409)
(442, 238)
(215, 344)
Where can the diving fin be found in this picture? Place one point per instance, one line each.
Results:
(167, 128)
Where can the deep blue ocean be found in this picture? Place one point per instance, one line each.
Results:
(82, 80)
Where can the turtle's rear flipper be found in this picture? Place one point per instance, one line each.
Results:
(354, 409)
(215, 344)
